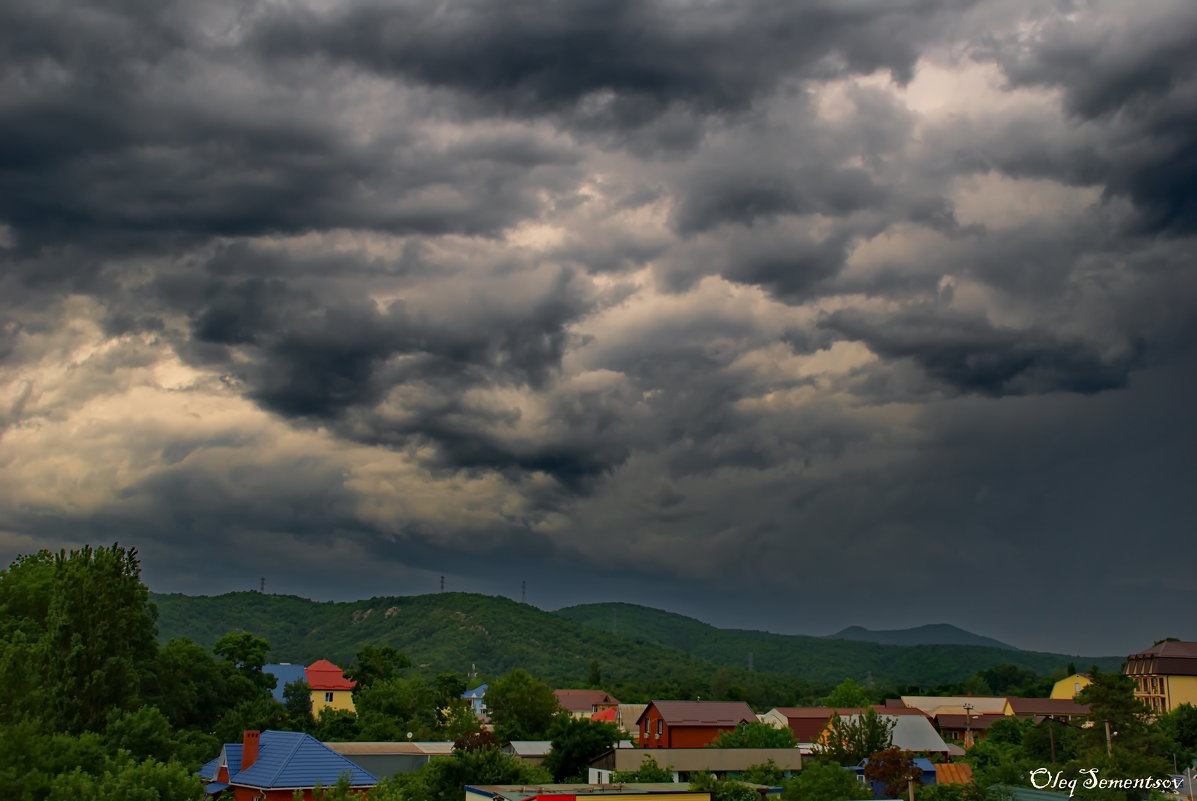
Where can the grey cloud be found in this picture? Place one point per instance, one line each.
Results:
(972, 355)
(620, 64)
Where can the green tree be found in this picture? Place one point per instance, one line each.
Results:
(297, 700)
(192, 688)
(767, 772)
(129, 780)
(722, 789)
(336, 725)
(85, 631)
(1180, 725)
(258, 713)
(247, 654)
(374, 664)
(849, 740)
(825, 781)
(576, 742)
(754, 735)
(410, 703)
(594, 676)
(847, 694)
(649, 771)
(894, 768)
(521, 707)
(442, 779)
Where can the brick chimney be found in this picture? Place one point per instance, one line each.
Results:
(249, 748)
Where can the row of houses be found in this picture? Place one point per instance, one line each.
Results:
(673, 733)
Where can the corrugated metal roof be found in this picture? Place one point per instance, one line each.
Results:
(285, 674)
(953, 773)
(1047, 706)
(324, 675)
(702, 713)
(477, 692)
(208, 769)
(289, 759)
(425, 748)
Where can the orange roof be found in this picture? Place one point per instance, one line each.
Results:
(607, 714)
(324, 675)
(953, 773)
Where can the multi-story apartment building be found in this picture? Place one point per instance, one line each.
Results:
(1165, 675)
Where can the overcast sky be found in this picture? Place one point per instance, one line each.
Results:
(783, 315)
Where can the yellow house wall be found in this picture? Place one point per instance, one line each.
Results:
(342, 699)
(1182, 690)
(1066, 688)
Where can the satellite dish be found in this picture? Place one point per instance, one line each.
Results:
(409, 735)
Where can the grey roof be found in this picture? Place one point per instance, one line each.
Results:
(913, 733)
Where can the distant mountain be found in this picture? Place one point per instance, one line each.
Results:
(640, 651)
(817, 658)
(931, 634)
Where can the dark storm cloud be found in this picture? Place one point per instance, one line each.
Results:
(670, 289)
(972, 355)
(620, 64)
(128, 125)
(1133, 77)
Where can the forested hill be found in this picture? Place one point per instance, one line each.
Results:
(449, 632)
(458, 632)
(932, 634)
(816, 657)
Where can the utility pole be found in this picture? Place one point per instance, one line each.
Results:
(968, 726)
(523, 592)
(1109, 740)
(442, 583)
(262, 586)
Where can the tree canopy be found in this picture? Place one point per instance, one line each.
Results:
(850, 739)
(521, 707)
(755, 735)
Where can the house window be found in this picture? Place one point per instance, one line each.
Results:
(328, 698)
(660, 726)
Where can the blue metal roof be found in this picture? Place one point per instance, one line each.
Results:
(212, 788)
(208, 771)
(285, 675)
(291, 759)
(477, 692)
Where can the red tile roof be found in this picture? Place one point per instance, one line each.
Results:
(584, 700)
(324, 675)
(702, 713)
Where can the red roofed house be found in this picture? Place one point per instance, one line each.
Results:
(689, 724)
(584, 703)
(329, 686)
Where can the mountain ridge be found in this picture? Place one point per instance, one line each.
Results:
(926, 634)
(490, 635)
